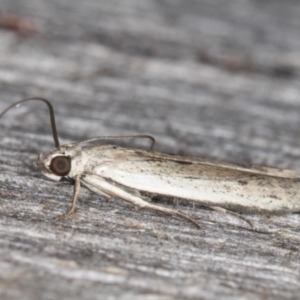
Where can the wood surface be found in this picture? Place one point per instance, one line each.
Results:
(216, 79)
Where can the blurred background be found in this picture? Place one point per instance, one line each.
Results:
(212, 78)
(216, 79)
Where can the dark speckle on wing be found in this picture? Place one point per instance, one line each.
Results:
(242, 182)
(183, 162)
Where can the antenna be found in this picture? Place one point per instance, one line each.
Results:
(51, 113)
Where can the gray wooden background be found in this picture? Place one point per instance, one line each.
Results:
(216, 79)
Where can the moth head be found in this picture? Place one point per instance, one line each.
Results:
(55, 165)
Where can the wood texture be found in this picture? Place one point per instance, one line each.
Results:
(214, 79)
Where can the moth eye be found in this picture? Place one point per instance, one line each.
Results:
(60, 165)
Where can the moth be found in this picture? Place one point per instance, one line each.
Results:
(136, 176)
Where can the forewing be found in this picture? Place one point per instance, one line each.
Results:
(225, 185)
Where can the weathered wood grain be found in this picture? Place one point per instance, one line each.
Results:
(216, 79)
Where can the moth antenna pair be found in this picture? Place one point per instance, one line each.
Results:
(54, 130)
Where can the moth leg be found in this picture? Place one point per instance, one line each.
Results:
(135, 193)
(97, 191)
(229, 212)
(75, 197)
(172, 212)
(137, 201)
